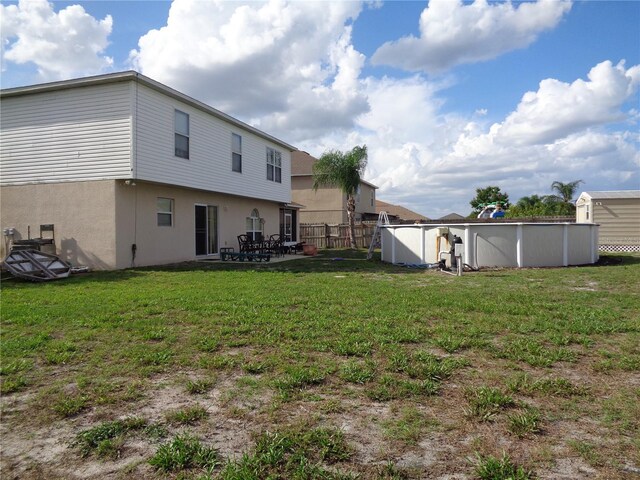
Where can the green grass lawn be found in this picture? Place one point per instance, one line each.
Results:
(325, 367)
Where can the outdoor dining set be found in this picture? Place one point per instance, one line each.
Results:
(259, 249)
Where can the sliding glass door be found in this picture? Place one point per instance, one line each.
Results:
(206, 234)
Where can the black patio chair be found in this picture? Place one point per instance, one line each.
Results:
(245, 245)
(275, 245)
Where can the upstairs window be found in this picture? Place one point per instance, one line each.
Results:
(274, 165)
(165, 212)
(181, 134)
(236, 153)
(373, 197)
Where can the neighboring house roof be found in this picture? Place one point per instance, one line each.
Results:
(302, 165)
(452, 216)
(612, 194)
(137, 77)
(397, 211)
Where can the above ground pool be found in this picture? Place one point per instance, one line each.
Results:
(500, 244)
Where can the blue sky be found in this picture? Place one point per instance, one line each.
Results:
(470, 94)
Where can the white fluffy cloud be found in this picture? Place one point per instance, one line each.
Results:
(432, 162)
(558, 109)
(436, 179)
(287, 67)
(61, 45)
(452, 33)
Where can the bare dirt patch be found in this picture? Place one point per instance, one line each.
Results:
(569, 446)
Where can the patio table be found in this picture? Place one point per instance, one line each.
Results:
(293, 246)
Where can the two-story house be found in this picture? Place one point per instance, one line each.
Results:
(131, 172)
(327, 204)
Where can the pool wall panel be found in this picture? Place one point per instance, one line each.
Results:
(494, 245)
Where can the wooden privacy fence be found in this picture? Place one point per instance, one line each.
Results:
(325, 235)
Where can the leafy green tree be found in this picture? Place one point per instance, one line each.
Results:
(343, 170)
(530, 202)
(541, 206)
(565, 191)
(564, 209)
(488, 195)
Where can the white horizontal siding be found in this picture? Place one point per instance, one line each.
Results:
(66, 135)
(209, 165)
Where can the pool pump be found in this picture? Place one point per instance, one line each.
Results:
(455, 255)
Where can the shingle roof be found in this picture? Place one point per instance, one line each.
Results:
(452, 216)
(301, 163)
(614, 194)
(398, 211)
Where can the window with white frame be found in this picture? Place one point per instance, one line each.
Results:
(236, 153)
(274, 165)
(373, 197)
(181, 125)
(165, 212)
(255, 225)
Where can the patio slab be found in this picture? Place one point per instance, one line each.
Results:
(273, 259)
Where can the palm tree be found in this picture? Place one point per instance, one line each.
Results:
(565, 191)
(343, 170)
(530, 202)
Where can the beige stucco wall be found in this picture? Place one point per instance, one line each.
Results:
(326, 205)
(366, 201)
(96, 223)
(331, 217)
(82, 213)
(137, 222)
